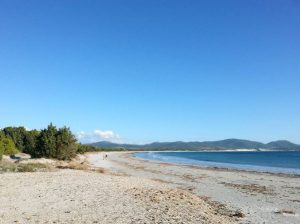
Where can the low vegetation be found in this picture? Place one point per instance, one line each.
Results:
(88, 148)
(23, 167)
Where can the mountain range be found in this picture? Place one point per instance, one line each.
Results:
(226, 144)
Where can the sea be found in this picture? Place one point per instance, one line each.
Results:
(287, 162)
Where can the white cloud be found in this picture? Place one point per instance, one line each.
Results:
(105, 134)
(98, 135)
(81, 135)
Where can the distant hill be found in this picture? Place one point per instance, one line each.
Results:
(281, 144)
(206, 145)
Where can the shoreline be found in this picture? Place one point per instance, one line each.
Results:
(262, 197)
(215, 167)
(123, 189)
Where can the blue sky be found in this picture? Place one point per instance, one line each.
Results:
(140, 71)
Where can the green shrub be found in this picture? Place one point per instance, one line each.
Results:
(86, 148)
(56, 143)
(7, 146)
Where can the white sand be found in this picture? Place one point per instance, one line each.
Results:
(139, 191)
(263, 198)
(99, 160)
(73, 196)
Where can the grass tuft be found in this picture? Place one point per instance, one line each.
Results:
(20, 167)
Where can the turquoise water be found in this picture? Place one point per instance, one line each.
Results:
(277, 162)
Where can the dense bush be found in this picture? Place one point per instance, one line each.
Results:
(30, 141)
(56, 143)
(25, 141)
(7, 146)
(49, 143)
(86, 148)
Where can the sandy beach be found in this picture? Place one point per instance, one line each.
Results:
(124, 189)
(261, 197)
